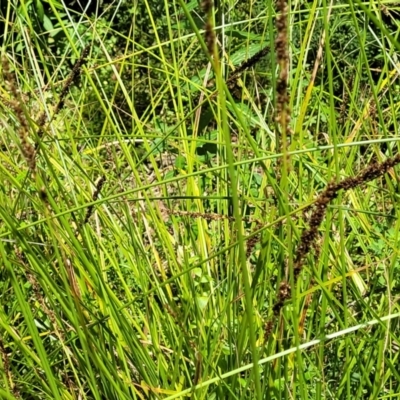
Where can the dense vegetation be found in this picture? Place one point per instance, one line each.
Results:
(199, 199)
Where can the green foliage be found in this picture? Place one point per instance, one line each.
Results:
(143, 257)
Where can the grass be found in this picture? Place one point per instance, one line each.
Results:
(166, 232)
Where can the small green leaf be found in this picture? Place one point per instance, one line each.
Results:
(39, 10)
(180, 162)
(158, 146)
(47, 24)
(169, 175)
(246, 52)
(202, 302)
(258, 178)
(197, 272)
